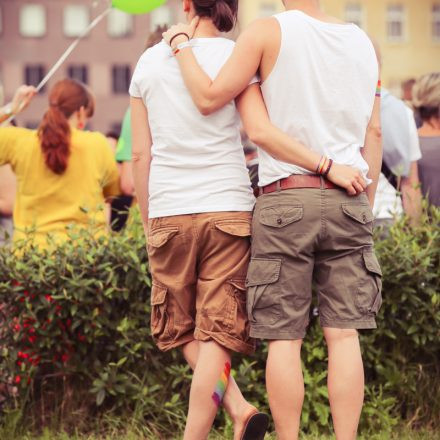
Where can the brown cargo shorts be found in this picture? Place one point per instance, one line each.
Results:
(198, 264)
(306, 236)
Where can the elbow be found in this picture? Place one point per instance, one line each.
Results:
(375, 131)
(206, 107)
(257, 135)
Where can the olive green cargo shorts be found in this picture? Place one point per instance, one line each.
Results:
(305, 236)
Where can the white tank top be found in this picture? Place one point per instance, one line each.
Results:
(321, 91)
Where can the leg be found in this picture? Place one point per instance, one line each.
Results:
(234, 402)
(202, 408)
(285, 387)
(345, 381)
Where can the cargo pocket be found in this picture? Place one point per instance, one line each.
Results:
(159, 237)
(262, 303)
(280, 216)
(159, 315)
(360, 212)
(369, 297)
(235, 308)
(235, 227)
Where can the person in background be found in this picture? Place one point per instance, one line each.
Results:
(398, 189)
(426, 101)
(407, 97)
(8, 184)
(112, 138)
(64, 174)
(407, 90)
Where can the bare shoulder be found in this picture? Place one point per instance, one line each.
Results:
(262, 25)
(261, 30)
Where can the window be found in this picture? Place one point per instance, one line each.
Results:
(121, 75)
(159, 17)
(267, 9)
(33, 74)
(119, 24)
(396, 22)
(354, 14)
(78, 72)
(32, 21)
(436, 22)
(75, 20)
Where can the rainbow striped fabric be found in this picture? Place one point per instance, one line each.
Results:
(379, 89)
(222, 384)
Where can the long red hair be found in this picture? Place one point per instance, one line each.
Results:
(65, 98)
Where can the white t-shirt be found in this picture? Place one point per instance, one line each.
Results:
(388, 203)
(321, 91)
(198, 163)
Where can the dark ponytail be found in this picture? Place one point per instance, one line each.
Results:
(65, 98)
(223, 13)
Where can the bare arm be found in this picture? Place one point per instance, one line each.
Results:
(282, 147)
(411, 194)
(233, 78)
(127, 183)
(372, 151)
(141, 155)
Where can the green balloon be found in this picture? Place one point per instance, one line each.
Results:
(137, 6)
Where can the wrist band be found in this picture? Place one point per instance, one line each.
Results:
(319, 164)
(323, 167)
(379, 89)
(177, 35)
(330, 163)
(181, 46)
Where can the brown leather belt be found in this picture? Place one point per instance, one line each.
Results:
(297, 181)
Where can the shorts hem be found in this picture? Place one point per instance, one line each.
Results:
(171, 344)
(355, 325)
(269, 333)
(225, 340)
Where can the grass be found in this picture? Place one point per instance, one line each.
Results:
(400, 434)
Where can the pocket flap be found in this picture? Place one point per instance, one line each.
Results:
(263, 271)
(159, 237)
(371, 262)
(360, 213)
(239, 228)
(158, 294)
(280, 216)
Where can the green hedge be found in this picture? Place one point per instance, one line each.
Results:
(77, 352)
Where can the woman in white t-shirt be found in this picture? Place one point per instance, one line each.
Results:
(196, 201)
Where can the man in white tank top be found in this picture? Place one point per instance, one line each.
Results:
(319, 78)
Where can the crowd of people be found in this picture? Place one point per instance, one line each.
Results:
(181, 152)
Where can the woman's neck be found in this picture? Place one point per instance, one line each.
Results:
(206, 29)
(430, 128)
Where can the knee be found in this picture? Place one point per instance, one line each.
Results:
(336, 335)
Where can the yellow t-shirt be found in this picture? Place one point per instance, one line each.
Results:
(48, 202)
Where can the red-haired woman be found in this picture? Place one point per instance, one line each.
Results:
(64, 174)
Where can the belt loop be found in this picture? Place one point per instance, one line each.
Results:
(322, 182)
(278, 185)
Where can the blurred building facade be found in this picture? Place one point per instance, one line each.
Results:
(408, 31)
(34, 33)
